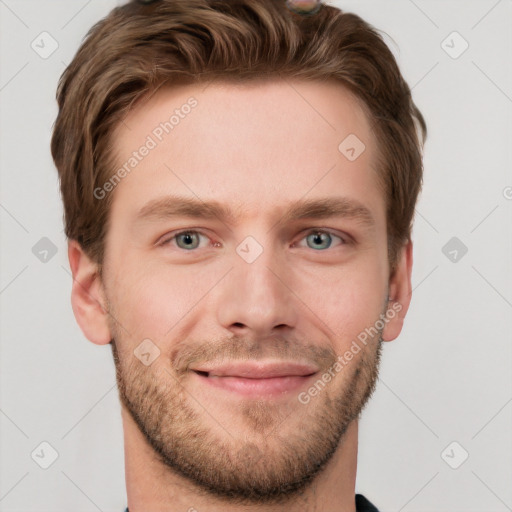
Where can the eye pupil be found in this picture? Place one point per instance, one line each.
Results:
(317, 237)
(187, 238)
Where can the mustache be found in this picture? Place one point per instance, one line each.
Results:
(239, 348)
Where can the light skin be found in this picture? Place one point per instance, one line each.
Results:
(255, 149)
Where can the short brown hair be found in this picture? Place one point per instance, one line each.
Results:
(137, 48)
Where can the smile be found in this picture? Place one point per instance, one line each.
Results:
(256, 378)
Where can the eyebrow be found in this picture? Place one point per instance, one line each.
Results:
(178, 206)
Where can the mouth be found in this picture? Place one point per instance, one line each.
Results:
(254, 378)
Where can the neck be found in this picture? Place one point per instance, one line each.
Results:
(153, 486)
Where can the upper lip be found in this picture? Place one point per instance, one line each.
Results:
(256, 369)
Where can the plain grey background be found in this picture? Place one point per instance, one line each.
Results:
(445, 389)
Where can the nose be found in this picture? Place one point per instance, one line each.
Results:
(256, 299)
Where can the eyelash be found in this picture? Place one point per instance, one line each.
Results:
(167, 240)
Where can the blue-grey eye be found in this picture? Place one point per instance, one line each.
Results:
(189, 240)
(323, 240)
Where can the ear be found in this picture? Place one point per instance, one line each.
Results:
(87, 296)
(400, 292)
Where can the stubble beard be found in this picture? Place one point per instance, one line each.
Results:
(280, 452)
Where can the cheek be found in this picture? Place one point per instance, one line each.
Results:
(151, 300)
(344, 300)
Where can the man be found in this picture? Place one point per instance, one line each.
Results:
(239, 181)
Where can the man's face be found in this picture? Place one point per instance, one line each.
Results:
(246, 312)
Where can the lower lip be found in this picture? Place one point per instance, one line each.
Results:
(270, 386)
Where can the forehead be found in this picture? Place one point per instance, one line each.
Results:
(250, 145)
(306, 106)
